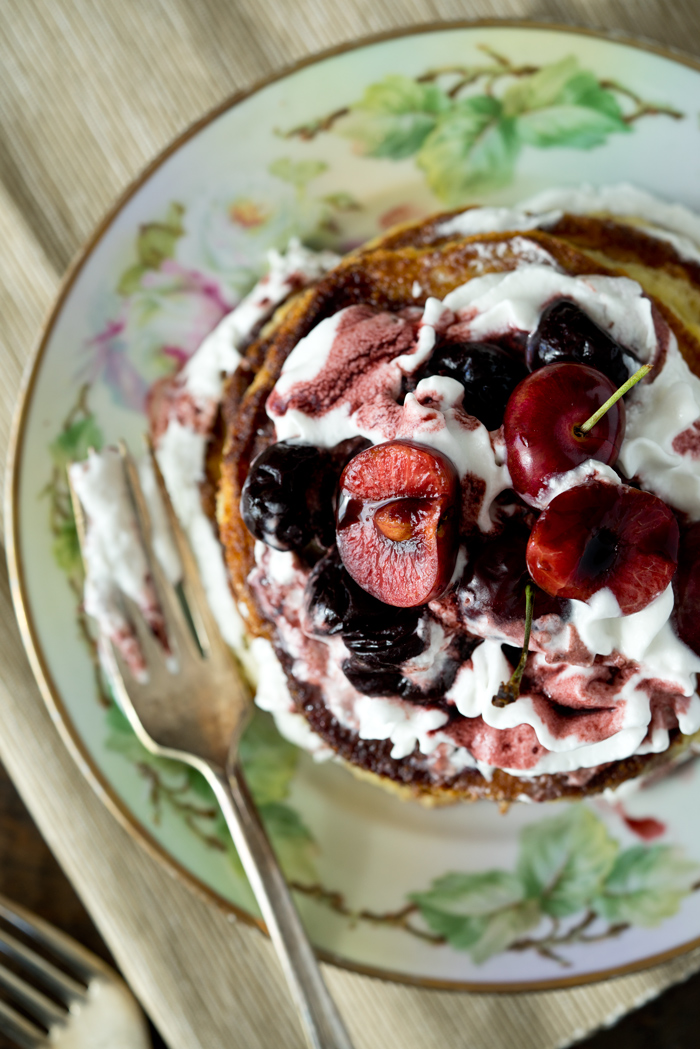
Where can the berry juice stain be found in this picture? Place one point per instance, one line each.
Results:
(645, 827)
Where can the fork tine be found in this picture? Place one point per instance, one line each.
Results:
(205, 624)
(80, 960)
(64, 987)
(153, 652)
(179, 631)
(24, 1034)
(34, 1002)
(118, 672)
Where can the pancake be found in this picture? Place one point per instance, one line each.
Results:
(398, 273)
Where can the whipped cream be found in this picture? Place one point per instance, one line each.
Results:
(674, 223)
(657, 416)
(500, 302)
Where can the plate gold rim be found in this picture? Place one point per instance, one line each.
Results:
(47, 686)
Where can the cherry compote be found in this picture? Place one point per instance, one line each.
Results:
(566, 333)
(375, 632)
(488, 373)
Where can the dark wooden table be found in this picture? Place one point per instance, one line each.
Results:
(30, 875)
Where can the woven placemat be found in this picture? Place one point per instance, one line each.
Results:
(90, 91)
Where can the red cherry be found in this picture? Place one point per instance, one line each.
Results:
(686, 586)
(604, 535)
(542, 419)
(398, 522)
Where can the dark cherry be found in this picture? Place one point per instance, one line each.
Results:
(605, 535)
(495, 578)
(686, 586)
(488, 373)
(542, 419)
(376, 681)
(288, 498)
(566, 333)
(377, 633)
(373, 680)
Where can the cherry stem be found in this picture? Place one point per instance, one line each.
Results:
(509, 691)
(597, 416)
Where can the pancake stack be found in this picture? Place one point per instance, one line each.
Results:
(395, 272)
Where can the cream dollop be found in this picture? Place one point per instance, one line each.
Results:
(500, 302)
(656, 415)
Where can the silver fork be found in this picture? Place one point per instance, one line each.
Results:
(78, 996)
(195, 712)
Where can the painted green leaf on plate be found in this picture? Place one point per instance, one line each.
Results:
(562, 105)
(297, 172)
(269, 760)
(66, 548)
(646, 885)
(577, 127)
(481, 913)
(156, 242)
(564, 860)
(293, 842)
(394, 117)
(472, 146)
(73, 443)
(540, 89)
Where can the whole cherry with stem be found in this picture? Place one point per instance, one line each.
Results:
(557, 418)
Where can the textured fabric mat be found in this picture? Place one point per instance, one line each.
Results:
(90, 91)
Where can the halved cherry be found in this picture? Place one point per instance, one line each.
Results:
(605, 535)
(398, 522)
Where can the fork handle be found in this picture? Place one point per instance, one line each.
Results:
(320, 1019)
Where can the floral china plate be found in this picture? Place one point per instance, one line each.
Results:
(335, 151)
